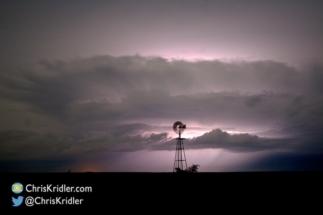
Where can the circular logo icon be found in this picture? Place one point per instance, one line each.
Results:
(17, 188)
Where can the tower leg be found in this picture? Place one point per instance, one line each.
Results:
(180, 158)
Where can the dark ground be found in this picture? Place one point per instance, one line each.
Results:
(168, 192)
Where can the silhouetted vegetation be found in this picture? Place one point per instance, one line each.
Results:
(191, 169)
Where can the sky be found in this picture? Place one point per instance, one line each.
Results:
(97, 85)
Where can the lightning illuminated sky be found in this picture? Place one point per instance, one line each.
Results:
(97, 85)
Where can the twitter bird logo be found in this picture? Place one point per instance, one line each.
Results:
(17, 201)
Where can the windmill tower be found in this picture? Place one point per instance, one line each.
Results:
(180, 158)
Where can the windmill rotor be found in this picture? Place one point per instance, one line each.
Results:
(179, 127)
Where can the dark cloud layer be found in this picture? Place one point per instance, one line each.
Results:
(27, 145)
(109, 104)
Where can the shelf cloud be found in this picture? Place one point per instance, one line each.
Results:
(107, 103)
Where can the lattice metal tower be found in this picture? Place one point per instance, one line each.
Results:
(180, 158)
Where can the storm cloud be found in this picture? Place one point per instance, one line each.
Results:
(129, 103)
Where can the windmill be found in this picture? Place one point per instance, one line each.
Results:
(180, 158)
